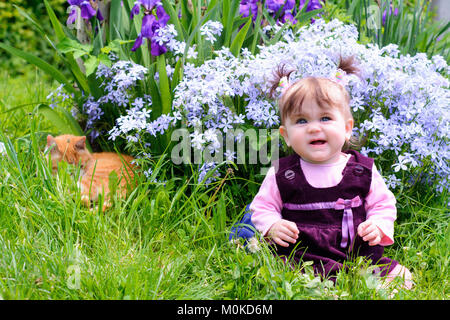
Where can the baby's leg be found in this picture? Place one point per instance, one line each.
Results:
(404, 273)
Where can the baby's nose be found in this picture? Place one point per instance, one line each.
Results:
(313, 127)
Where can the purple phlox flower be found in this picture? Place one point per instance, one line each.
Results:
(249, 7)
(205, 170)
(155, 17)
(94, 134)
(93, 111)
(88, 10)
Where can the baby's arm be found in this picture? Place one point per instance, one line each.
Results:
(266, 217)
(381, 213)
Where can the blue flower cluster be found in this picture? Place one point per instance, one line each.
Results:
(400, 102)
(118, 84)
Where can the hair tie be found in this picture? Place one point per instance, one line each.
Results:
(283, 84)
(340, 76)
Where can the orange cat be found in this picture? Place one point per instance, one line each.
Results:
(96, 167)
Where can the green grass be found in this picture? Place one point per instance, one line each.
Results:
(168, 240)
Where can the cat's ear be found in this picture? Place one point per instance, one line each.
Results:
(51, 143)
(81, 144)
(50, 140)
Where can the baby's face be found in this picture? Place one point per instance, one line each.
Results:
(317, 134)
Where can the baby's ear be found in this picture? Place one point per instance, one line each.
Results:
(284, 134)
(80, 145)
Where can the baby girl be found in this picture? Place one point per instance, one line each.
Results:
(325, 203)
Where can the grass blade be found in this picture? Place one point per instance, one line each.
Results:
(43, 65)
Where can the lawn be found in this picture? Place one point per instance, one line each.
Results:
(169, 239)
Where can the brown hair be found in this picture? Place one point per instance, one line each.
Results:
(324, 91)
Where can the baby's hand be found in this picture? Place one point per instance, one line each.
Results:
(368, 231)
(283, 230)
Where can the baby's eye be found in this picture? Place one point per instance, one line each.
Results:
(301, 121)
(325, 119)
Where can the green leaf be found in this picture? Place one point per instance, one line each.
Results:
(164, 88)
(70, 45)
(256, 34)
(115, 46)
(98, 40)
(57, 121)
(91, 64)
(197, 27)
(73, 124)
(60, 35)
(104, 59)
(186, 16)
(55, 22)
(174, 19)
(115, 19)
(64, 122)
(177, 74)
(228, 21)
(34, 22)
(239, 39)
(156, 98)
(46, 67)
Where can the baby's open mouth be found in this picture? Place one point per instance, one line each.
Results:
(318, 142)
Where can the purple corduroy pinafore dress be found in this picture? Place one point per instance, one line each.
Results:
(327, 218)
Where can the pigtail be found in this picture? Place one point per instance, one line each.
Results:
(349, 65)
(280, 72)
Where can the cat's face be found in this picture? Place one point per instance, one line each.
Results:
(68, 148)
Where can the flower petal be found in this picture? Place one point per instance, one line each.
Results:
(137, 43)
(163, 17)
(157, 49)
(99, 15)
(135, 10)
(148, 23)
(87, 11)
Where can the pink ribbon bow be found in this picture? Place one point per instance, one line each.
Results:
(340, 76)
(347, 220)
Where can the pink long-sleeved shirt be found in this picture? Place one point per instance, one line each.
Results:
(379, 204)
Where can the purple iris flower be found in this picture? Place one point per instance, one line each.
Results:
(312, 5)
(287, 6)
(88, 9)
(275, 5)
(155, 17)
(390, 13)
(249, 7)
